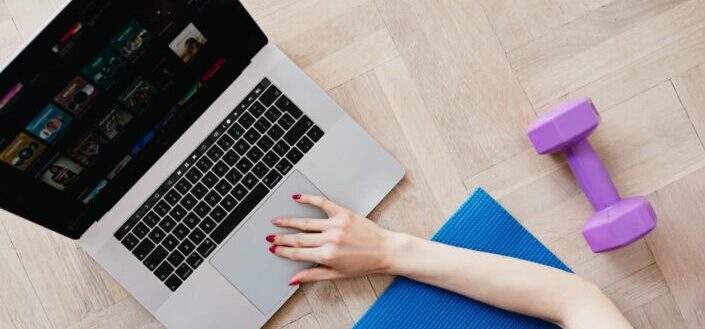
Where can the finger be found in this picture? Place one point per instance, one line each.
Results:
(316, 274)
(329, 207)
(299, 240)
(311, 255)
(303, 224)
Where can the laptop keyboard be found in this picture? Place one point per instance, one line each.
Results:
(218, 185)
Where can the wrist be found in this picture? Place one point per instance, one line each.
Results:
(396, 246)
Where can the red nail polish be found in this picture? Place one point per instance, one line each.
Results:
(295, 283)
(270, 238)
(273, 249)
(296, 197)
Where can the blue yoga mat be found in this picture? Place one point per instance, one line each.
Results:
(480, 224)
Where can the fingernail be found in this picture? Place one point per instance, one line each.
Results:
(296, 197)
(273, 249)
(270, 238)
(295, 283)
(277, 221)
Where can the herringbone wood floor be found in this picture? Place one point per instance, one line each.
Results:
(449, 87)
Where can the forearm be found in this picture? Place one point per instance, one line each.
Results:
(504, 282)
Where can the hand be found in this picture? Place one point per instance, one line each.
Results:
(345, 244)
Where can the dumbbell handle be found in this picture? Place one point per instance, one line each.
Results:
(592, 175)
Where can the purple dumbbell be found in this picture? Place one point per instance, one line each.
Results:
(617, 222)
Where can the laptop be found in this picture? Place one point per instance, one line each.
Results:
(165, 135)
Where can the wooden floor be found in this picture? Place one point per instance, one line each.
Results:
(449, 87)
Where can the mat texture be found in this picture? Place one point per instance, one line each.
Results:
(480, 224)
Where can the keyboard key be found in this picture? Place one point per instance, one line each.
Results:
(305, 144)
(183, 186)
(236, 131)
(188, 202)
(233, 176)
(294, 156)
(249, 181)
(286, 121)
(183, 271)
(194, 260)
(181, 231)
(155, 258)
(172, 197)
(170, 242)
(270, 96)
(162, 208)
(199, 190)
(140, 230)
(255, 154)
(246, 120)
(257, 109)
(220, 169)
(288, 106)
(239, 191)
(167, 224)
(262, 125)
(215, 153)
(206, 248)
(270, 159)
(272, 179)
(260, 169)
(178, 213)
(207, 225)
(143, 249)
(265, 143)
(210, 179)
(231, 158)
(284, 166)
(191, 220)
(175, 258)
(202, 209)
(173, 282)
(130, 241)
(223, 187)
(225, 142)
(272, 114)
(275, 132)
(244, 165)
(281, 148)
(241, 147)
(213, 198)
(239, 213)
(315, 133)
(218, 213)
(298, 130)
(157, 235)
(151, 219)
(204, 164)
(186, 247)
(163, 271)
(197, 236)
(252, 136)
(228, 203)
(194, 175)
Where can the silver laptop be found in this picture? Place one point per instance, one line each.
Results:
(166, 135)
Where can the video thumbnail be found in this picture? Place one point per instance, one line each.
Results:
(139, 95)
(160, 15)
(112, 123)
(22, 152)
(77, 95)
(132, 41)
(96, 190)
(105, 68)
(188, 43)
(62, 173)
(14, 91)
(50, 123)
(120, 166)
(87, 148)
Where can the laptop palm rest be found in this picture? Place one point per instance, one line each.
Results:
(245, 260)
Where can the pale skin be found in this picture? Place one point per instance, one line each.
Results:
(349, 245)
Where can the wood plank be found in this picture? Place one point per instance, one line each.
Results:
(31, 15)
(637, 289)
(306, 322)
(676, 244)
(328, 305)
(10, 39)
(295, 308)
(690, 86)
(638, 318)
(596, 4)
(663, 313)
(127, 313)
(358, 295)
(517, 22)
(259, 9)
(462, 75)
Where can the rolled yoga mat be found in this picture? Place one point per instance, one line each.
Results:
(480, 224)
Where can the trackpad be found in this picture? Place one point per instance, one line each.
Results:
(245, 259)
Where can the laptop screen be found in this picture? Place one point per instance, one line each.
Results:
(93, 101)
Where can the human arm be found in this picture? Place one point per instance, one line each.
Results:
(349, 245)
